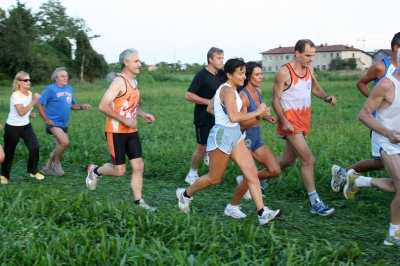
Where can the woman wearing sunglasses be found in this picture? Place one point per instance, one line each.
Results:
(18, 127)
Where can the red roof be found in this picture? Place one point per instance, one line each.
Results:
(319, 48)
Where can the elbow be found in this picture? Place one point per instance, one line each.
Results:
(187, 96)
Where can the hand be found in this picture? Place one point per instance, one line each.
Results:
(394, 136)
(271, 119)
(148, 117)
(86, 106)
(331, 99)
(1, 127)
(262, 110)
(36, 97)
(33, 115)
(49, 122)
(130, 122)
(287, 127)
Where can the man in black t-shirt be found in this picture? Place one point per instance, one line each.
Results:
(201, 91)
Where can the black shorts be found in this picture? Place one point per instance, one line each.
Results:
(121, 144)
(65, 129)
(202, 133)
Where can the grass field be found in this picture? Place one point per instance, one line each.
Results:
(58, 221)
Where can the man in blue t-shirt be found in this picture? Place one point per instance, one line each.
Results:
(201, 91)
(55, 106)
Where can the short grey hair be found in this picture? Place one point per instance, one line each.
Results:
(212, 52)
(58, 69)
(126, 56)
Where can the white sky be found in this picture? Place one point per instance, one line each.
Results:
(184, 30)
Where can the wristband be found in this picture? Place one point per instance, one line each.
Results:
(80, 106)
(258, 117)
(326, 98)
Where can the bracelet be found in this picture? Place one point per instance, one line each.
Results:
(326, 98)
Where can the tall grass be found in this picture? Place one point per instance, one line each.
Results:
(57, 221)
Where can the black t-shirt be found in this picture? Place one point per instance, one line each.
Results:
(204, 86)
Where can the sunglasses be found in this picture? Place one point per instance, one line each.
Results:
(25, 80)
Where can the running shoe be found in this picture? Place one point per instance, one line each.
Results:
(320, 208)
(191, 179)
(48, 171)
(4, 180)
(393, 240)
(206, 158)
(183, 202)
(234, 211)
(247, 195)
(269, 215)
(91, 178)
(57, 168)
(38, 176)
(338, 177)
(350, 189)
(146, 206)
(264, 185)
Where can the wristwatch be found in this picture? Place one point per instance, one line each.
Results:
(258, 117)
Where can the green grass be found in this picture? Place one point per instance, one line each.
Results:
(58, 221)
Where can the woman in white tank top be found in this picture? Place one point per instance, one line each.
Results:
(226, 142)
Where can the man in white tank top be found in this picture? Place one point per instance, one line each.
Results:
(385, 98)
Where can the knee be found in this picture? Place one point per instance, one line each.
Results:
(64, 144)
(309, 161)
(119, 172)
(215, 181)
(275, 171)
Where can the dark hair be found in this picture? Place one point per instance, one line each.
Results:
(395, 40)
(230, 66)
(212, 51)
(250, 66)
(301, 45)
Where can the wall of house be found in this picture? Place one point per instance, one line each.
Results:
(272, 62)
(378, 56)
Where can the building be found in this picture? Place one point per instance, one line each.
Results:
(378, 55)
(273, 59)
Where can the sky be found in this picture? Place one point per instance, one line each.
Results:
(182, 30)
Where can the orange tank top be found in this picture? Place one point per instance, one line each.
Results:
(126, 105)
(296, 103)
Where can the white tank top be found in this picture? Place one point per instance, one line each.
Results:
(390, 118)
(221, 116)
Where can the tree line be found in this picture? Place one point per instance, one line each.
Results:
(38, 42)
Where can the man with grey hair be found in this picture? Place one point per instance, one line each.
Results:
(201, 91)
(384, 98)
(120, 104)
(55, 106)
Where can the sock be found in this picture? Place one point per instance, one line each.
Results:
(363, 181)
(260, 212)
(393, 228)
(137, 201)
(95, 171)
(193, 172)
(313, 195)
(186, 195)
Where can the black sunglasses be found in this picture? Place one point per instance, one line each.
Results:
(25, 80)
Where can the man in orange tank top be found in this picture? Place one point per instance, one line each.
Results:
(293, 84)
(120, 104)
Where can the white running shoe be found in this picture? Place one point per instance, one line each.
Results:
(183, 202)
(337, 177)
(146, 206)
(269, 215)
(57, 168)
(191, 179)
(91, 179)
(247, 195)
(234, 211)
(206, 158)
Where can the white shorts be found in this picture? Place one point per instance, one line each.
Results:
(224, 138)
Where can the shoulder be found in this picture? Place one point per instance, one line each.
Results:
(377, 69)
(282, 74)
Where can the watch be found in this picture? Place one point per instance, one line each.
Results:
(80, 107)
(258, 117)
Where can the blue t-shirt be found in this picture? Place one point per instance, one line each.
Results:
(57, 102)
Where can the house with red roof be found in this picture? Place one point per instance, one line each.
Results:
(274, 58)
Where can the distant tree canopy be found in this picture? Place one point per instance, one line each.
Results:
(339, 64)
(40, 42)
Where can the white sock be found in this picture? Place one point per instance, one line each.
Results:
(393, 228)
(313, 195)
(363, 181)
(193, 172)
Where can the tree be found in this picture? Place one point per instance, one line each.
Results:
(352, 63)
(337, 64)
